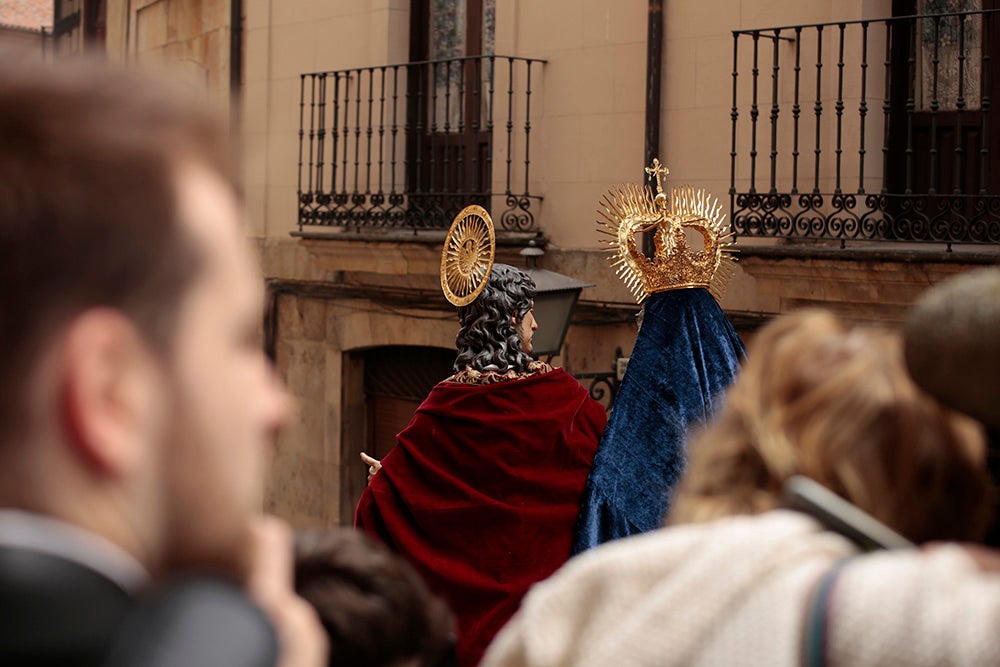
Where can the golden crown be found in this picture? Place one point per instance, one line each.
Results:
(631, 208)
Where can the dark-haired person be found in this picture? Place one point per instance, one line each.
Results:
(483, 488)
(135, 403)
(376, 609)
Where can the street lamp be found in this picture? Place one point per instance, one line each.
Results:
(555, 299)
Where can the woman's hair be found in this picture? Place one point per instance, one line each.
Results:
(488, 333)
(824, 399)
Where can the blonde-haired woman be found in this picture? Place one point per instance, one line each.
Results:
(736, 579)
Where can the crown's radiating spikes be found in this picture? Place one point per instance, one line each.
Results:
(630, 208)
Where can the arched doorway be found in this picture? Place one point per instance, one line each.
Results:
(382, 388)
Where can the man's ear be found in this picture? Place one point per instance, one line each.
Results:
(108, 390)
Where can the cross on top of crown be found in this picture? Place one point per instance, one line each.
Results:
(657, 170)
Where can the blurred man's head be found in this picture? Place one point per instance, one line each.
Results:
(951, 347)
(134, 398)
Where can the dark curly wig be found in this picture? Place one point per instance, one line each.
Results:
(488, 335)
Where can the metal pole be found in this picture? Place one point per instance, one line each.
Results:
(235, 61)
(654, 63)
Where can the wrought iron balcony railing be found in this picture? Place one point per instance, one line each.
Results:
(923, 167)
(407, 146)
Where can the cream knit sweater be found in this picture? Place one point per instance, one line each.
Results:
(734, 592)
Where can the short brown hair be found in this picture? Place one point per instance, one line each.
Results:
(376, 609)
(824, 399)
(951, 344)
(88, 155)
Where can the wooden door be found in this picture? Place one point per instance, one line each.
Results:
(450, 104)
(943, 132)
(381, 389)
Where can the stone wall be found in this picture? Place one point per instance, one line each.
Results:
(875, 285)
(188, 38)
(313, 335)
(333, 297)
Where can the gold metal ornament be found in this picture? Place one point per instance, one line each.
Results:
(677, 263)
(467, 256)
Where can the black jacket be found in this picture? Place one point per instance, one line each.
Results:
(54, 611)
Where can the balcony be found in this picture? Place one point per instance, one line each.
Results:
(407, 146)
(868, 131)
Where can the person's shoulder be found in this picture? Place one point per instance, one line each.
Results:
(196, 621)
(915, 603)
(644, 552)
(58, 611)
(941, 564)
(566, 617)
(663, 549)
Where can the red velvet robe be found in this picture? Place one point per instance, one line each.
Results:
(482, 491)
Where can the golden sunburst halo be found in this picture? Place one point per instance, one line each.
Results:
(467, 256)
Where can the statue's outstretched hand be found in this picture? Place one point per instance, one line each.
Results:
(374, 465)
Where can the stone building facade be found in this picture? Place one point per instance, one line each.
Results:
(26, 27)
(535, 109)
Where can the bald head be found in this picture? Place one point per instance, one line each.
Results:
(952, 343)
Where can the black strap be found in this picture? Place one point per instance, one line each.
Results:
(815, 631)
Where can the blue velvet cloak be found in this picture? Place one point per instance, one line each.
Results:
(685, 355)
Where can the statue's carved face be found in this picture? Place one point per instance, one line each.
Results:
(526, 328)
